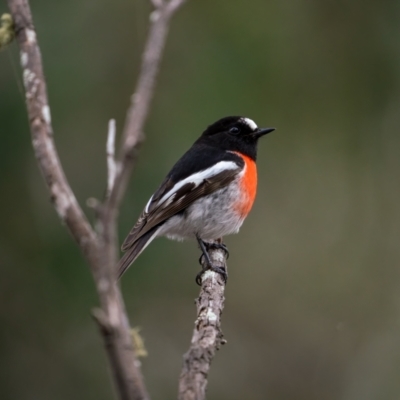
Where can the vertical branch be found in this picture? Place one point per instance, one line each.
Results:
(135, 120)
(207, 334)
(131, 138)
(140, 101)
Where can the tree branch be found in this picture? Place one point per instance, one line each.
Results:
(207, 335)
(140, 101)
(131, 138)
(100, 249)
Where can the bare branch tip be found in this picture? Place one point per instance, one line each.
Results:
(110, 152)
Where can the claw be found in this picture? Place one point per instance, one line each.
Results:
(201, 259)
(199, 276)
(219, 270)
(204, 246)
(221, 246)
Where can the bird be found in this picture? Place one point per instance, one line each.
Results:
(207, 194)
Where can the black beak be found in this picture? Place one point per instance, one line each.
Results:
(262, 131)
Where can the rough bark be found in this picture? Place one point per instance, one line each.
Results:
(207, 335)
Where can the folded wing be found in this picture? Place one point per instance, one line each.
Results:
(173, 197)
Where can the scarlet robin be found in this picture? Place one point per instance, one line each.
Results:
(207, 194)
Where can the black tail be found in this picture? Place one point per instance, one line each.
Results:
(134, 251)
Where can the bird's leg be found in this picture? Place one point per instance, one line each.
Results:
(204, 249)
(204, 246)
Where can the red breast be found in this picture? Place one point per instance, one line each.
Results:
(248, 186)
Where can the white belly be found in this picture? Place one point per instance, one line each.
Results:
(209, 217)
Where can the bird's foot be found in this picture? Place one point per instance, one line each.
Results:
(219, 270)
(205, 246)
(212, 245)
(216, 245)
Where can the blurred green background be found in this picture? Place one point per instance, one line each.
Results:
(313, 300)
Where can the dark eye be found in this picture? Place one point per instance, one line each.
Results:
(235, 130)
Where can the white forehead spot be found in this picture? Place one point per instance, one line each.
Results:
(250, 123)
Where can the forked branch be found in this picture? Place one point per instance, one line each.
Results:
(99, 247)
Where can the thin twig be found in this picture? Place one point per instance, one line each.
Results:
(131, 138)
(110, 151)
(207, 335)
(140, 101)
(133, 130)
(133, 134)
